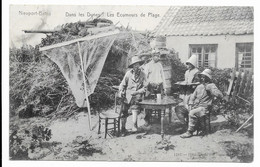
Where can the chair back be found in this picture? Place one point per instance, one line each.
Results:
(117, 102)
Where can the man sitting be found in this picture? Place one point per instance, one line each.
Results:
(200, 100)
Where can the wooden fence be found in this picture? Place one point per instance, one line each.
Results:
(241, 85)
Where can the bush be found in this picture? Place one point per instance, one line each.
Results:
(24, 141)
(178, 70)
(38, 88)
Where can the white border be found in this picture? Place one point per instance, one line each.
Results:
(5, 77)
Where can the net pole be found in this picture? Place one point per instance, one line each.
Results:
(85, 88)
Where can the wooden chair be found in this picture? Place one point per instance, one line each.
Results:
(111, 118)
(240, 86)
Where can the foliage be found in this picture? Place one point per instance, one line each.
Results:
(178, 71)
(103, 97)
(36, 87)
(24, 141)
(242, 151)
(70, 31)
(220, 77)
(236, 111)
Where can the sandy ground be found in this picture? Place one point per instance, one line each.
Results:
(72, 140)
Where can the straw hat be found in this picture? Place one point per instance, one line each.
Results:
(206, 72)
(192, 60)
(135, 59)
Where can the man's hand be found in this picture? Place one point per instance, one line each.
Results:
(189, 107)
(165, 92)
(121, 94)
(134, 93)
(226, 98)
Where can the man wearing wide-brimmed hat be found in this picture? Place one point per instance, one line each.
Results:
(132, 88)
(200, 100)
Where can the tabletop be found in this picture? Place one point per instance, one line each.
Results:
(166, 100)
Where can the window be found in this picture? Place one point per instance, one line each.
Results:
(207, 54)
(244, 55)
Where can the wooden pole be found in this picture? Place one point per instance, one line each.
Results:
(85, 88)
(80, 39)
(244, 123)
(39, 31)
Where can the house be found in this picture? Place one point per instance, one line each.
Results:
(221, 36)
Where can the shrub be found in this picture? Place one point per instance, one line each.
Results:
(23, 141)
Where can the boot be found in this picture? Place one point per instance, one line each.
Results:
(188, 134)
(123, 132)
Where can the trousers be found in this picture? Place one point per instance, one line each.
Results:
(194, 114)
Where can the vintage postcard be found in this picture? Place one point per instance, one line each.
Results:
(131, 83)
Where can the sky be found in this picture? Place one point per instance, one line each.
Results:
(43, 17)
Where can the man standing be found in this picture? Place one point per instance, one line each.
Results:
(200, 100)
(132, 88)
(155, 79)
(187, 88)
(191, 73)
(155, 75)
(191, 76)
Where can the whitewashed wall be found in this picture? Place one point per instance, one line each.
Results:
(226, 46)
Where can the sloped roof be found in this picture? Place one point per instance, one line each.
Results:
(204, 20)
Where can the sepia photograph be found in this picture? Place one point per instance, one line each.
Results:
(131, 83)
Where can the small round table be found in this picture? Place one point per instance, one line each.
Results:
(162, 105)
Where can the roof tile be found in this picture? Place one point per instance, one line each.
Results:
(204, 20)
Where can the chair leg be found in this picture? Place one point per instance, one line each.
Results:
(209, 123)
(99, 125)
(106, 124)
(201, 125)
(198, 126)
(118, 124)
(114, 126)
(159, 115)
(170, 115)
(205, 124)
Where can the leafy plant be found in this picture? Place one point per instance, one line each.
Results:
(23, 141)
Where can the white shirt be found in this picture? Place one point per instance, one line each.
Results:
(189, 75)
(154, 73)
